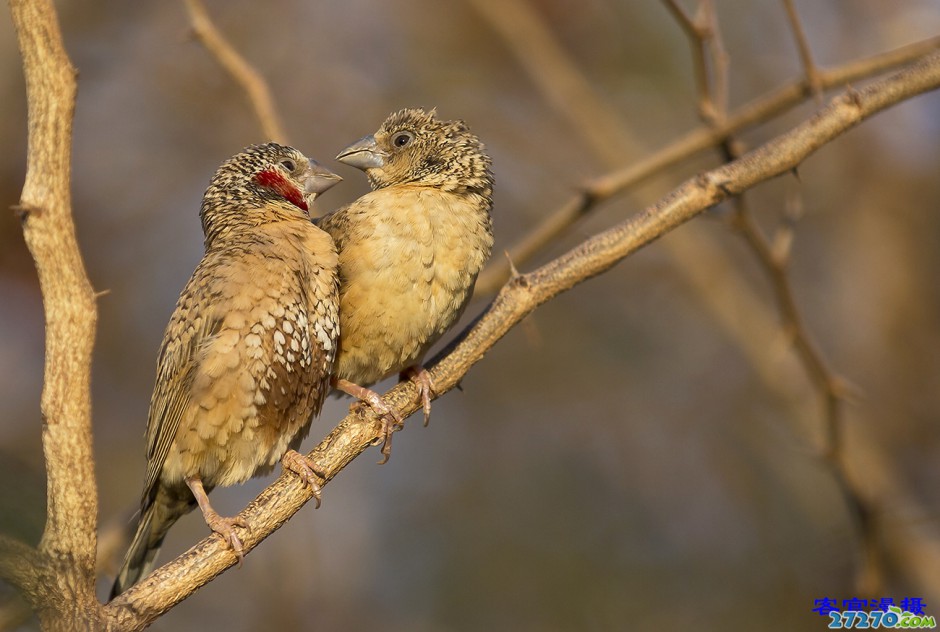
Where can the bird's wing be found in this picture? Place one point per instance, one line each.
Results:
(188, 331)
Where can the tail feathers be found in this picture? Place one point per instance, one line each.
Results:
(155, 520)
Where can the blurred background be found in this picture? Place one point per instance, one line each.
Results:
(629, 459)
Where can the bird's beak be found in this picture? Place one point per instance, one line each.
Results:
(319, 179)
(363, 154)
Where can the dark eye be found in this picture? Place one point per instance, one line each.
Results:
(402, 138)
(289, 165)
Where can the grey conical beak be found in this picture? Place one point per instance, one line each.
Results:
(319, 178)
(363, 154)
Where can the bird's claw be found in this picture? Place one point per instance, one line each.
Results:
(421, 378)
(305, 468)
(391, 422)
(225, 527)
(390, 418)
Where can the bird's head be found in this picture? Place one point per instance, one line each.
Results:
(413, 146)
(263, 183)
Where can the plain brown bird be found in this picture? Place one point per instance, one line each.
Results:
(409, 251)
(247, 356)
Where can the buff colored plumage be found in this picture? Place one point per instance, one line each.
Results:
(247, 356)
(410, 250)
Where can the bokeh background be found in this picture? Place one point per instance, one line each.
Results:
(624, 460)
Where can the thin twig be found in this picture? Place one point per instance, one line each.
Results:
(251, 81)
(708, 69)
(826, 382)
(718, 58)
(602, 188)
(179, 578)
(833, 394)
(810, 69)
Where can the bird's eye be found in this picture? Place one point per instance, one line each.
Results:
(289, 165)
(402, 139)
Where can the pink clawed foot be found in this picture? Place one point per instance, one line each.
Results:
(303, 467)
(425, 385)
(391, 419)
(225, 527)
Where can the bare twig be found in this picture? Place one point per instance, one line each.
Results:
(832, 390)
(762, 109)
(701, 32)
(827, 383)
(251, 81)
(806, 56)
(179, 578)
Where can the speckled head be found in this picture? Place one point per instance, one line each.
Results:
(413, 146)
(262, 176)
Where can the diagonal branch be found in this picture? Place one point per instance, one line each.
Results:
(251, 81)
(603, 188)
(18, 564)
(775, 264)
(179, 578)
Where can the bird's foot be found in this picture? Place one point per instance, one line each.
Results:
(425, 385)
(305, 468)
(225, 527)
(390, 418)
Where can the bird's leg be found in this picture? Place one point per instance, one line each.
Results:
(225, 527)
(305, 468)
(391, 420)
(425, 385)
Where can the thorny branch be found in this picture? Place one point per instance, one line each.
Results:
(177, 579)
(775, 263)
(593, 192)
(725, 301)
(58, 576)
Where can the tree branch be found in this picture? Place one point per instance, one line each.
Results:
(602, 188)
(813, 80)
(251, 81)
(179, 578)
(65, 561)
(18, 564)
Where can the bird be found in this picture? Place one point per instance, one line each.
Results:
(248, 353)
(409, 251)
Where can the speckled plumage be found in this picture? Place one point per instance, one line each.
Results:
(248, 353)
(409, 251)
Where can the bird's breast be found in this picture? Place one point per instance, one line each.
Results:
(408, 269)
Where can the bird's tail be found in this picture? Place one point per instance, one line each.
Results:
(155, 520)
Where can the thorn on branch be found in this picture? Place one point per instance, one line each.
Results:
(513, 272)
(23, 211)
(853, 96)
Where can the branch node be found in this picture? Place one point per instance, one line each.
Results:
(24, 211)
(853, 96)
